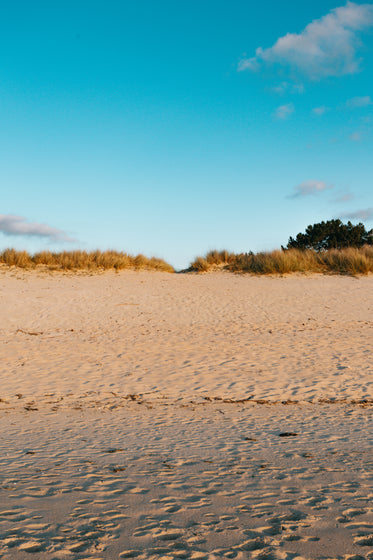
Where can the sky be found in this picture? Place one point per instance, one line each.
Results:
(173, 128)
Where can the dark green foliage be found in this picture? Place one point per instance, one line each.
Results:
(332, 234)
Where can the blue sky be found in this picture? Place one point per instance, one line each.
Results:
(171, 128)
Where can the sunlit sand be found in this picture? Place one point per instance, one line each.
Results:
(152, 415)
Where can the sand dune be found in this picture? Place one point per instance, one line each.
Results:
(147, 415)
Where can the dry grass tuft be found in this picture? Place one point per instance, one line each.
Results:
(349, 261)
(11, 257)
(82, 260)
(213, 259)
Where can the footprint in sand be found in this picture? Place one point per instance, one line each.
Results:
(32, 546)
(364, 540)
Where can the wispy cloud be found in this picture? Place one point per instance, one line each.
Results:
(344, 197)
(357, 102)
(319, 111)
(311, 187)
(353, 103)
(365, 214)
(326, 47)
(284, 111)
(288, 87)
(18, 225)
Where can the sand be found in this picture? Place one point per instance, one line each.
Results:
(152, 415)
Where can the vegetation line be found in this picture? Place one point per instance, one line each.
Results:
(82, 260)
(328, 247)
(352, 261)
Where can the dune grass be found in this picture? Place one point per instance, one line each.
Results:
(351, 261)
(82, 260)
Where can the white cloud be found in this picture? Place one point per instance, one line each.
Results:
(249, 64)
(354, 103)
(310, 188)
(365, 214)
(357, 102)
(326, 47)
(18, 225)
(319, 111)
(284, 111)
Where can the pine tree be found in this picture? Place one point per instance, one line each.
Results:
(332, 234)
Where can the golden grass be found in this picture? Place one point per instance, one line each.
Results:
(336, 261)
(350, 261)
(82, 260)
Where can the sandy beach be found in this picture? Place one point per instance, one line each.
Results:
(155, 415)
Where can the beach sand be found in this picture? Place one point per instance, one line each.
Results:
(155, 415)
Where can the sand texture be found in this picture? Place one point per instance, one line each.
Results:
(149, 415)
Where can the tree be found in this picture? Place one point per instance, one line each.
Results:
(332, 234)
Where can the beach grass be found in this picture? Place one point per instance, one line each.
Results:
(82, 260)
(351, 261)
